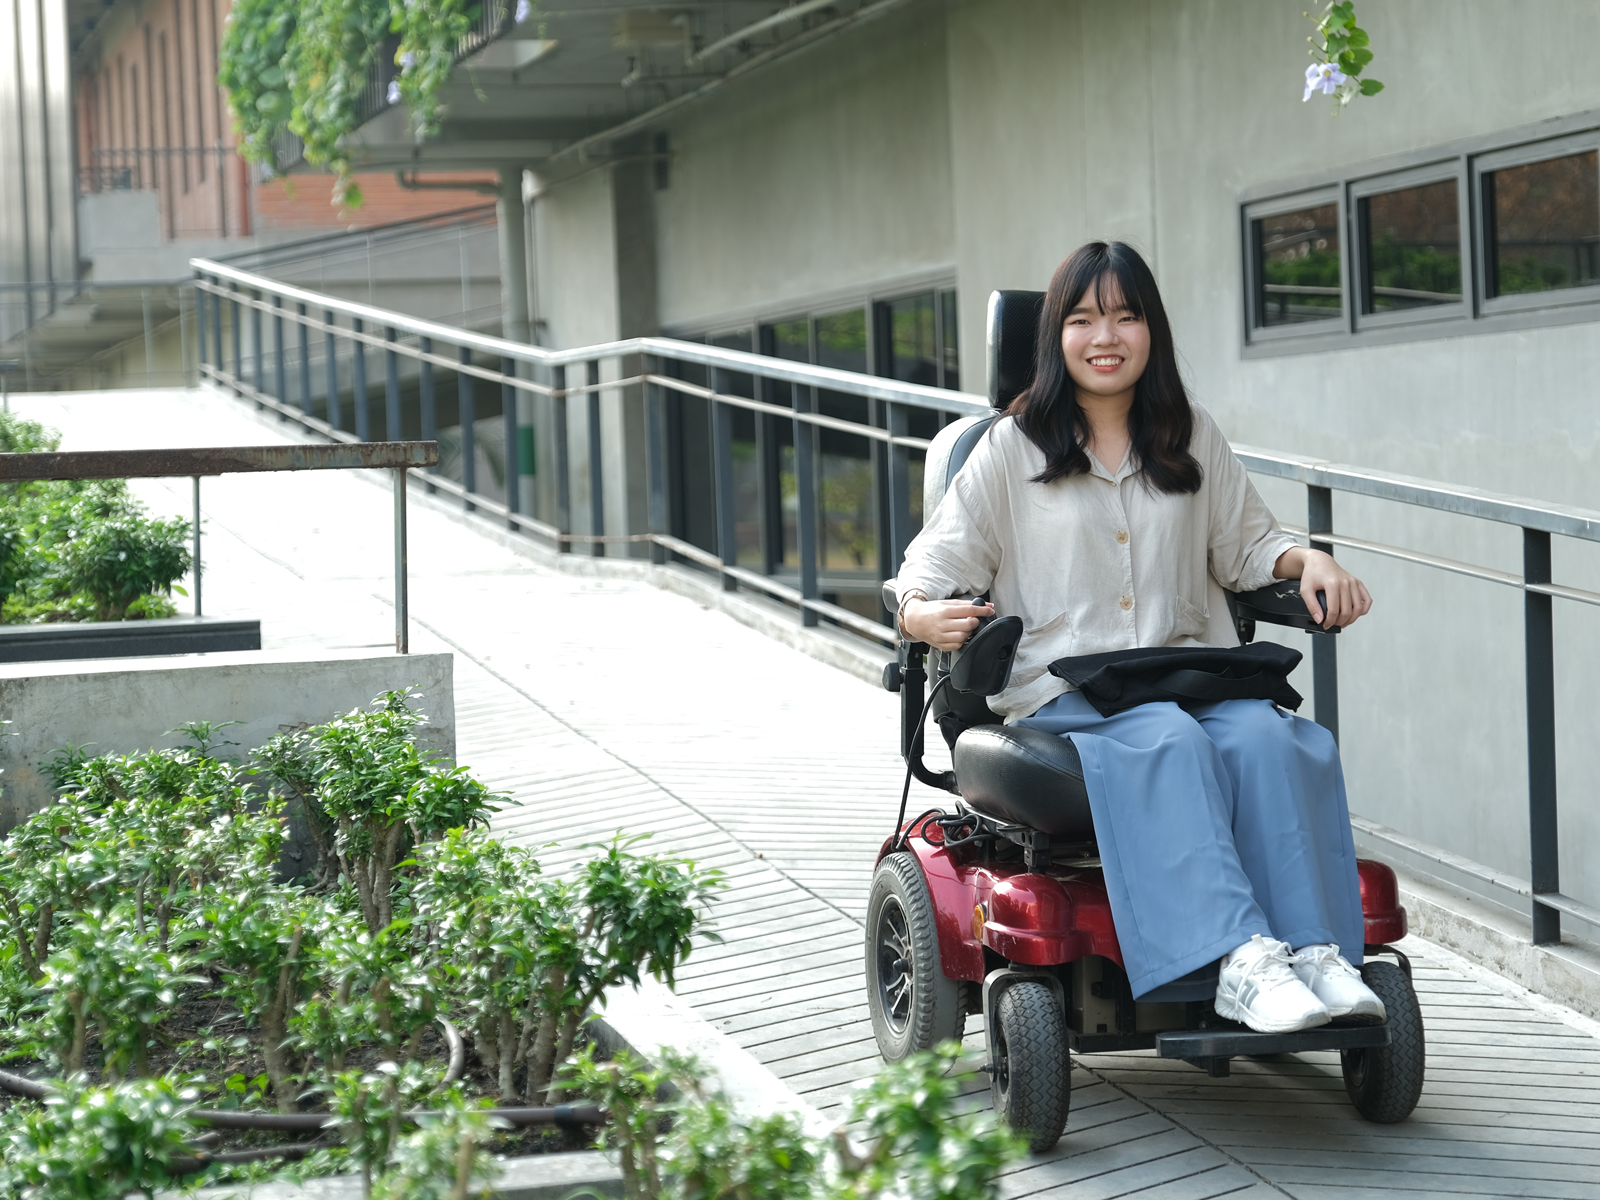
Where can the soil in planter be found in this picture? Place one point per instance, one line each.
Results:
(181, 1050)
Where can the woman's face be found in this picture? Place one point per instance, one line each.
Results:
(1106, 351)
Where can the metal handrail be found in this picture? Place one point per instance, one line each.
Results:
(361, 328)
(198, 461)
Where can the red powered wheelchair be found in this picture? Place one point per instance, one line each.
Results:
(997, 903)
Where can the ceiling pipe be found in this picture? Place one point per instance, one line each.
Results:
(414, 184)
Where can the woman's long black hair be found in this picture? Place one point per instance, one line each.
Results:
(1160, 423)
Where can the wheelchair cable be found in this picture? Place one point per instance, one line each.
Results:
(914, 752)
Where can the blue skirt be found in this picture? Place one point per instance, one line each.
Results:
(1214, 825)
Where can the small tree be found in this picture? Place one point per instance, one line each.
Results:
(98, 1143)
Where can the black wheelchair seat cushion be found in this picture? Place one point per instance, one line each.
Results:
(1025, 777)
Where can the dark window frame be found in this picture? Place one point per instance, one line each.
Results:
(1474, 157)
(1312, 332)
(1519, 156)
(1455, 171)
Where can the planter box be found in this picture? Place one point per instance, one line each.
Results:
(126, 639)
(534, 1177)
(123, 706)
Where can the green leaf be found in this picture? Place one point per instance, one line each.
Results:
(1351, 61)
(1357, 37)
(1370, 87)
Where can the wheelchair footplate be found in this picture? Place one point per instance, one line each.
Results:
(1210, 1049)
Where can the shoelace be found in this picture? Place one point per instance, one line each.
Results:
(1326, 960)
(1273, 966)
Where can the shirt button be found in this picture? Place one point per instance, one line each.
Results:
(1127, 603)
(1122, 537)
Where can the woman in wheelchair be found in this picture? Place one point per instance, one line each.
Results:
(1106, 510)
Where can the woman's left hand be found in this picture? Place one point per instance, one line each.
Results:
(1348, 598)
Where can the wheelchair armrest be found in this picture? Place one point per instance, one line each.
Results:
(1278, 604)
(891, 598)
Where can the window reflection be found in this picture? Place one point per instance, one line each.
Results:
(848, 539)
(1411, 243)
(746, 471)
(913, 340)
(1297, 267)
(1543, 225)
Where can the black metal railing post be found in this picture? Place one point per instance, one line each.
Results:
(467, 415)
(200, 328)
(899, 488)
(304, 338)
(508, 420)
(391, 387)
(597, 494)
(236, 327)
(330, 352)
(259, 346)
(722, 482)
(359, 381)
(280, 356)
(429, 402)
(216, 333)
(805, 487)
(1324, 647)
(656, 462)
(1544, 845)
(562, 455)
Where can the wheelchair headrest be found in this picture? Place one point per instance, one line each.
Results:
(1013, 331)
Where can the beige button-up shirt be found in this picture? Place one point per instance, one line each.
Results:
(1094, 562)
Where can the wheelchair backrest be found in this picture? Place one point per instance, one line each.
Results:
(1012, 331)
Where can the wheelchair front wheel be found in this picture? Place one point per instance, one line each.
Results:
(1032, 1080)
(1385, 1084)
(914, 1004)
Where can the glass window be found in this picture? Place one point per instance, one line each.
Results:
(913, 340)
(1297, 257)
(952, 353)
(849, 534)
(746, 471)
(1411, 246)
(789, 340)
(1542, 225)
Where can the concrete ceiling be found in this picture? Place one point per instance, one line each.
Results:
(555, 90)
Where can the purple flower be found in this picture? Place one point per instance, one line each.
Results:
(1323, 77)
(394, 91)
(523, 9)
(407, 61)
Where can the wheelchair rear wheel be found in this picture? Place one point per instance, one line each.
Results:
(1385, 1084)
(914, 1004)
(1032, 1080)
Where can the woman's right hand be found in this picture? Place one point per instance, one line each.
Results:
(942, 624)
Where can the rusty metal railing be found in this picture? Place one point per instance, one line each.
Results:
(196, 462)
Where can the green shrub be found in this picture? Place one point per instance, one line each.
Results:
(97, 1143)
(922, 1140)
(81, 550)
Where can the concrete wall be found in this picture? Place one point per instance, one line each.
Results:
(827, 175)
(126, 705)
(986, 139)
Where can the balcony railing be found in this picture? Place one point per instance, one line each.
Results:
(277, 373)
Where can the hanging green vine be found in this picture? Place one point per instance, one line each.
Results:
(303, 67)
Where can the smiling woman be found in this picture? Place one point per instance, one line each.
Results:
(1104, 301)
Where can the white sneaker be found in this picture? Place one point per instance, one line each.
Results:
(1258, 987)
(1336, 983)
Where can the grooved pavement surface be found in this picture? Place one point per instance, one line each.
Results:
(603, 705)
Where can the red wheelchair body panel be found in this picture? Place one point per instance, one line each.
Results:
(1045, 920)
(1380, 903)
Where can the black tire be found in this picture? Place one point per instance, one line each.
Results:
(915, 1006)
(1385, 1084)
(1032, 1080)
